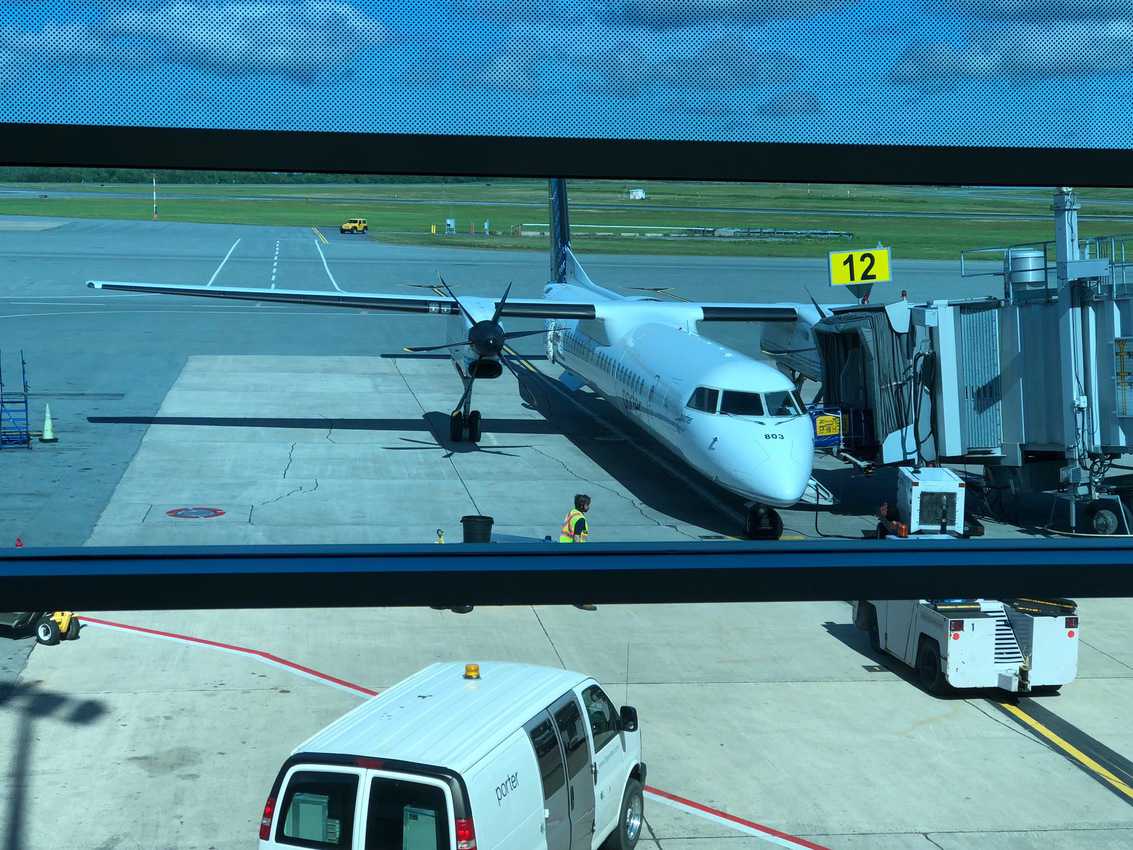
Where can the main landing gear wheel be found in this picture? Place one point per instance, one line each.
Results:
(763, 523)
(456, 427)
(474, 426)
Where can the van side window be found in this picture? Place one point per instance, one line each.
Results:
(550, 759)
(569, 720)
(603, 718)
(406, 816)
(318, 810)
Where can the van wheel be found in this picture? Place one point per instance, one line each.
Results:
(929, 672)
(631, 820)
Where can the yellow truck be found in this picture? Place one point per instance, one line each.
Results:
(354, 225)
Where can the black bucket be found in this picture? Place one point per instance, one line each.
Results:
(477, 529)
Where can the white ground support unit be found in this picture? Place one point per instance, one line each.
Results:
(1019, 645)
(499, 756)
(932, 498)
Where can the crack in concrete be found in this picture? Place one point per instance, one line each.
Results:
(290, 457)
(634, 502)
(926, 837)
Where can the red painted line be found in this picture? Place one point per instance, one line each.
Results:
(758, 827)
(275, 659)
(259, 653)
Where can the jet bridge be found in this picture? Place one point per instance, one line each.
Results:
(1035, 385)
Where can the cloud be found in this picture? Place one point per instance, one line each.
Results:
(510, 11)
(517, 66)
(674, 14)
(623, 70)
(1039, 10)
(795, 103)
(724, 63)
(300, 41)
(1060, 49)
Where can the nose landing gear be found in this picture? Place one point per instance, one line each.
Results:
(762, 523)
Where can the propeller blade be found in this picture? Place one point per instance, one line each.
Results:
(418, 349)
(500, 306)
(452, 295)
(518, 334)
(822, 314)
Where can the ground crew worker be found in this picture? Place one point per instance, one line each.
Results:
(576, 528)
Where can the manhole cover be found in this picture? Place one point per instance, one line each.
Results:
(194, 513)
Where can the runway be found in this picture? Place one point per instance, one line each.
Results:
(295, 424)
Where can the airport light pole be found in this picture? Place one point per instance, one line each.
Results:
(155, 197)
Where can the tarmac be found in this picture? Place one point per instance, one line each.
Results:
(297, 426)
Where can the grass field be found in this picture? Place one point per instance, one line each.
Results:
(918, 222)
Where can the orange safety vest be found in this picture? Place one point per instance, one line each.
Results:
(566, 533)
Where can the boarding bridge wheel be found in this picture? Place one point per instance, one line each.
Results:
(1102, 518)
(763, 523)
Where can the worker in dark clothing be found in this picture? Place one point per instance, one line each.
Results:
(575, 529)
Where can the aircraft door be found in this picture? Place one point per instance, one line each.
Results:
(580, 776)
(552, 771)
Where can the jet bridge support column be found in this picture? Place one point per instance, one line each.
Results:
(1071, 379)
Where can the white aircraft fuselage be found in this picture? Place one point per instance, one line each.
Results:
(648, 367)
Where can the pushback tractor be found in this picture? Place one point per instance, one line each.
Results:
(1017, 645)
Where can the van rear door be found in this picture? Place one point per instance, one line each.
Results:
(319, 808)
(406, 812)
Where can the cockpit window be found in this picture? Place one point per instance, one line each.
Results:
(741, 404)
(782, 403)
(703, 399)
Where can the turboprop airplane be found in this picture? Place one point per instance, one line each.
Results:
(737, 420)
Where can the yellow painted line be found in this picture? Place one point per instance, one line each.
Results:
(319, 233)
(522, 360)
(788, 537)
(1068, 748)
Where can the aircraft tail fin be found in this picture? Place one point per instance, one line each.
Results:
(560, 232)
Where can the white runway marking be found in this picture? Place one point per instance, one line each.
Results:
(325, 266)
(222, 262)
(274, 264)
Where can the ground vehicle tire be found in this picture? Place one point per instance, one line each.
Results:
(72, 629)
(47, 632)
(456, 427)
(630, 820)
(929, 672)
(342, 230)
(865, 618)
(474, 426)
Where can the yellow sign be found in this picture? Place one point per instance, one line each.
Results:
(850, 267)
(827, 426)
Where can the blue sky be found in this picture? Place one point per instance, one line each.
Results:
(956, 72)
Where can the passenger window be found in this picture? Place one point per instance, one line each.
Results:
(569, 720)
(319, 810)
(549, 757)
(603, 718)
(704, 399)
(406, 815)
(741, 404)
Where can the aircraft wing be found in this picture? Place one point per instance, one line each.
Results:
(527, 308)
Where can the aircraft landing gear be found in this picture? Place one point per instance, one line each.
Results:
(460, 425)
(763, 523)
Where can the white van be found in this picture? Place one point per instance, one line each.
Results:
(494, 756)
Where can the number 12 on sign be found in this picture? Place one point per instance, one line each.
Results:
(849, 267)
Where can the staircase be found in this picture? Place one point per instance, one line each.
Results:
(14, 429)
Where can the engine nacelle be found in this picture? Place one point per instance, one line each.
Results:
(485, 368)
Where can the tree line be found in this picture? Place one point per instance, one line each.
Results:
(42, 174)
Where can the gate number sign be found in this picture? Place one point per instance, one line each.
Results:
(850, 267)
